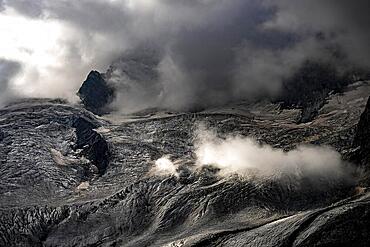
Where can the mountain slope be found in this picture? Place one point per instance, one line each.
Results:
(70, 178)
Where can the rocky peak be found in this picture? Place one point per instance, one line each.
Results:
(135, 72)
(95, 93)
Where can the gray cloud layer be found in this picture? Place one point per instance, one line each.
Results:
(211, 51)
(8, 69)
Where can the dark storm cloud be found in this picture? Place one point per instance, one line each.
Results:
(343, 22)
(206, 54)
(212, 51)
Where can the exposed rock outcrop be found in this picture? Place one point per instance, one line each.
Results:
(361, 144)
(96, 94)
(95, 148)
(362, 137)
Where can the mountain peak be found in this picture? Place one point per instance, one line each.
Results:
(95, 93)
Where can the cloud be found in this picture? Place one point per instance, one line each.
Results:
(247, 158)
(343, 22)
(8, 69)
(210, 52)
(244, 56)
(164, 167)
(29, 8)
(55, 55)
(305, 167)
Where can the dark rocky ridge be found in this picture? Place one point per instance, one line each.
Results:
(361, 143)
(362, 136)
(94, 147)
(50, 147)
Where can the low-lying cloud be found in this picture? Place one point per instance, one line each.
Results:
(248, 159)
(210, 52)
(164, 167)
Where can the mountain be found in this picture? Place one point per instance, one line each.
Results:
(134, 75)
(72, 178)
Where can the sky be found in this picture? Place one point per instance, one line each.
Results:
(211, 51)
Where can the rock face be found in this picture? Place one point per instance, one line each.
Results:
(361, 142)
(50, 195)
(95, 93)
(94, 147)
(363, 133)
